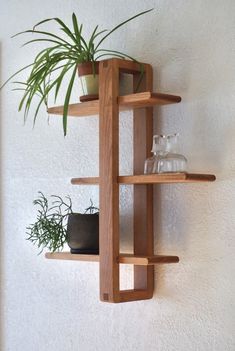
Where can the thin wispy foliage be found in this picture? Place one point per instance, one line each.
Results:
(50, 228)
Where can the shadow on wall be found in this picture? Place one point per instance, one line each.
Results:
(1, 226)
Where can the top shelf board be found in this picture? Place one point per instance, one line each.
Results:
(126, 102)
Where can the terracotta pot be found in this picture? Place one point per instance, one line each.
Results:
(83, 233)
(89, 81)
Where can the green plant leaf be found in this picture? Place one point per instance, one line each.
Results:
(59, 80)
(120, 25)
(38, 40)
(76, 30)
(13, 75)
(67, 99)
(113, 55)
(62, 41)
(113, 52)
(64, 55)
(41, 22)
(49, 229)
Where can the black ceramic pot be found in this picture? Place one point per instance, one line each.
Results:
(83, 233)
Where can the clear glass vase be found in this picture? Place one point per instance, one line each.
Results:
(165, 159)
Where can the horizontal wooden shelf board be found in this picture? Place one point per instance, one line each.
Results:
(85, 181)
(134, 295)
(146, 99)
(151, 179)
(146, 260)
(88, 108)
(71, 257)
(166, 178)
(123, 258)
(138, 100)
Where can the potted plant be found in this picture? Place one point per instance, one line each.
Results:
(57, 224)
(83, 231)
(68, 53)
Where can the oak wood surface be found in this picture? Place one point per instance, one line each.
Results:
(151, 179)
(72, 257)
(85, 181)
(109, 187)
(145, 99)
(147, 260)
(122, 258)
(126, 102)
(166, 178)
(143, 195)
(83, 109)
(108, 107)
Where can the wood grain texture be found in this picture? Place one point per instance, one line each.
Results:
(83, 109)
(71, 257)
(126, 102)
(143, 195)
(147, 260)
(127, 66)
(122, 258)
(145, 99)
(166, 178)
(135, 294)
(108, 107)
(151, 179)
(85, 181)
(109, 187)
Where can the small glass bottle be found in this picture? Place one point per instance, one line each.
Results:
(165, 158)
(151, 162)
(158, 147)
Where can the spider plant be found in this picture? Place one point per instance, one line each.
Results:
(53, 63)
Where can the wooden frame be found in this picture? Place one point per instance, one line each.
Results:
(109, 180)
(109, 186)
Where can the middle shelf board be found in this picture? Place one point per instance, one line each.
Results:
(151, 179)
(122, 258)
(126, 102)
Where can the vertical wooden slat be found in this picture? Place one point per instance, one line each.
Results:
(143, 194)
(109, 188)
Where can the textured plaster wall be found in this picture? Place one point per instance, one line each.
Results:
(53, 305)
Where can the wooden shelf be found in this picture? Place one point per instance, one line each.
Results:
(147, 99)
(126, 102)
(85, 181)
(151, 179)
(122, 258)
(147, 260)
(166, 178)
(71, 257)
(107, 108)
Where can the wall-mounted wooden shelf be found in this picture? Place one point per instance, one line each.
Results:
(122, 258)
(150, 179)
(127, 102)
(109, 180)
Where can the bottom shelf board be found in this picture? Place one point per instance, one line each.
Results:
(151, 178)
(123, 258)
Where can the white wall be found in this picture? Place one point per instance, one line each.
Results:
(54, 305)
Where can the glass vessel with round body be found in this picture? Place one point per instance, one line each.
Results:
(165, 159)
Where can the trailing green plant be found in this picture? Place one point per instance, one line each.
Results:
(53, 63)
(92, 209)
(49, 230)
